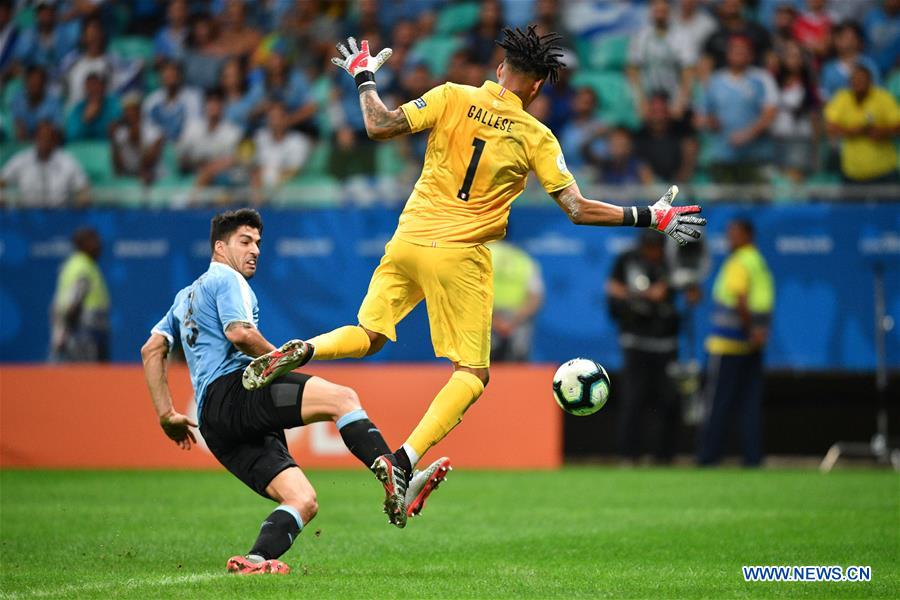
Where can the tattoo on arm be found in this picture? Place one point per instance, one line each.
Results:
(569, 200)
(236, 324)
(381, 123)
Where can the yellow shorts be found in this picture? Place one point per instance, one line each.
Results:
(458, 287)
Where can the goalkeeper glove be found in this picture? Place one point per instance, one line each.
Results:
(359, 63)
(674, 221)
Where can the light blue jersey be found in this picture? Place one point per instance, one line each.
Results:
(198, 318)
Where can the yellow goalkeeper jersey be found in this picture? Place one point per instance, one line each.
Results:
(480, 150)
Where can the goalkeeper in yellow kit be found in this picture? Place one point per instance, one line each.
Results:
(480, 150)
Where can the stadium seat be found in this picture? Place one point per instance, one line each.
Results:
(319, 159)
(457, 18)
(308, 190)
(95, 158)
(435, 52)
(608, 53)
(388, 160)
(321, 95)
(7, 126)
(119, 192)
(9, 148)
(24, 16)
(893, 84)
(133, 48)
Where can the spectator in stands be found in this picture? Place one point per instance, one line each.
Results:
(203, 55)
(812, 28)
(733, 23)
(848, 44)
(655, 65)
(744, 297)
(851, 11)
(45, 175)
(619, 166)
(642, 303)
(866, 119)
(314, 31)
(583, 126)
(280, 83)
(738, 107)
(92, 59)
(667, 147)
(548, 16)
(463, 69)
(561, 93)
(368, 18)
(796, 125)
(171, 40)
(691, 25)
(882, 26)
(91, 118)
(171, 106)
(518, 296)
(352, 152)
(48, 41)
(240, 99)
(236, 36)
(280, 152)
(136, 144)
(80, 309)
(482, 40)
(34, 103)
(208, 145)
(782, 33)
(9, 37)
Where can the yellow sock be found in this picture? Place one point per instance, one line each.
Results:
(446, 411)
(350, 341)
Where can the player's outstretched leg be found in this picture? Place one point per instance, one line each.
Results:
(280, 529)
(326, 401)
(423, 483)
(444, 413)
(394, 480)
(264, 369)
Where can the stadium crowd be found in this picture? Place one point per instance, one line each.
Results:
(235, 96)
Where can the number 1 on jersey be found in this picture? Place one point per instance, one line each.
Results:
(463, 193)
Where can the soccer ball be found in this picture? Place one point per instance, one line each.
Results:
(581, 386)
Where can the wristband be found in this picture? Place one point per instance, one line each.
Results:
(636, 216)
(364, 80)
(643, 217)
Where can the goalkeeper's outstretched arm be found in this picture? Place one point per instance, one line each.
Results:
(676, 222)
(381, 123)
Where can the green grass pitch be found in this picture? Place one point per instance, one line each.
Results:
(578, 532)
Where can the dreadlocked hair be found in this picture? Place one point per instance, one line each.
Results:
(533, 54)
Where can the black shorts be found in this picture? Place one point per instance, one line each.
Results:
(245, 429)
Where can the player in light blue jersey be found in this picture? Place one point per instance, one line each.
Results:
(215, 320)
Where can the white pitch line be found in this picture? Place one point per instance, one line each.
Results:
(132, 583)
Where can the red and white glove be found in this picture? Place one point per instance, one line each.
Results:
(359, 63)
(675, 221)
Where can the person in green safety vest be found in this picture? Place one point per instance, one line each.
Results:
(743, 297)
(80, 310)
(518, 295)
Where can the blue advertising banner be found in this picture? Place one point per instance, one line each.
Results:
(316, 264)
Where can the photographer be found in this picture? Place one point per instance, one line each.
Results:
(642, 302)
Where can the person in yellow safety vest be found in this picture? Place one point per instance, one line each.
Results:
(518, 295)
(80, 310)
(743, 297)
